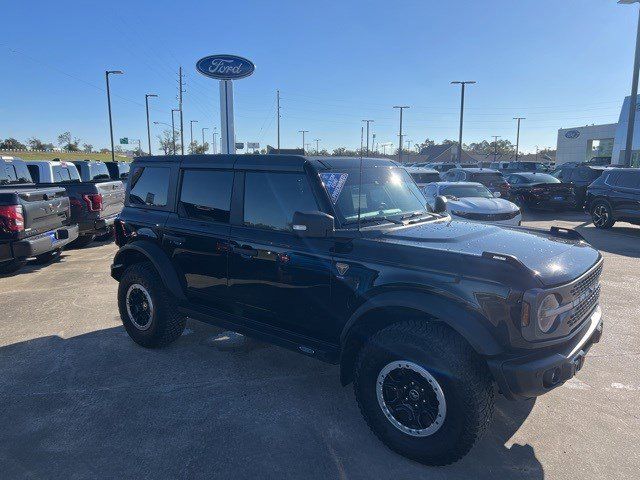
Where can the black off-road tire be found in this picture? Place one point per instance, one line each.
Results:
(82, 241)
(166, 324)
(462, 375)
(7, 268)
(602, 215)
(48, 257)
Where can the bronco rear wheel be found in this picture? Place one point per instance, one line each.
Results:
(423, 391)
(147, 309)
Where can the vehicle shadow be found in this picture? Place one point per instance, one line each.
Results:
(34, 266)
(98, 406)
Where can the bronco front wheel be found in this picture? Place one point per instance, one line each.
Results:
(423, 391)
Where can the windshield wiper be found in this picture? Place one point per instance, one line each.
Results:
(415, 214)
(380, 218)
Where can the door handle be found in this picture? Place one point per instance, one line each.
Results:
(246, 251)
(175, 240)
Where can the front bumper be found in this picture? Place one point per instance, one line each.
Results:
(44, 243)
(535, 374)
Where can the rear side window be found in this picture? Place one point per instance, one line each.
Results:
(628, 180)
(150, 186)
(206, 195)
(270, 199)
(15, 172)
(35, 173)
(98, 171)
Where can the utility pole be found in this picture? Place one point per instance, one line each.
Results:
(146, 101)
(302, 132)
(203, 129)
(180, 92)
(373, 143)
(367, 122)
(278, 117)
(400, 133)
(495, 147)
(173, 129)
(317, 140)
(361, 139)
(215, 146)
(106, 74)
(191, 122)
(518, 135)
(463, 84)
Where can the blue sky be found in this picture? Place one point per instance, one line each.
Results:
(560, 63)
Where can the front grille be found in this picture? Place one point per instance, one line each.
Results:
(585, 294)
(488, 217)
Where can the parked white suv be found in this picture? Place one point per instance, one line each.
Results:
(473, 202)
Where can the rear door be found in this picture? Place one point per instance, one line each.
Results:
(197, 237)
(276, 278)
(625, 194)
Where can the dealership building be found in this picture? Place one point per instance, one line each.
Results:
(579, 144)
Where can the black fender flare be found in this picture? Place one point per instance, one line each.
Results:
(157, 257)
(466, 321)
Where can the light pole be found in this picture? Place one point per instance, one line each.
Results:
(634, 92)
(215, 147)
(173, 129)
(495, 147)
(204, 128)
(146, 101)
(462, 84)
(106, 74)
(303, 132)
(191, 122)
(367, 122)
(518, 135)
(400, 133)
(317, 140)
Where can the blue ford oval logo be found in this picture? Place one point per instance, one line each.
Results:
(225, 67)
(572, 134)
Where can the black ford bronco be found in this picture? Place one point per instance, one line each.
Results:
(343, 260)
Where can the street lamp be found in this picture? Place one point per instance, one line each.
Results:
(146, 101)
(518, 135)
(317, 140)
(400, 133)
(303, 132)
(191, 122)
(634, 92)
(106, 74)
(205, 128)
(367, 122)
(495, 147)
(462, 84)
(215, 146)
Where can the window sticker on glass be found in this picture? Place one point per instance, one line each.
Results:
(333, 183)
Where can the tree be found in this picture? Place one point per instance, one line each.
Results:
(195, 148)
(12, 144)
(105, 150)
(35, 144)
(166, 142)
(485, 147)
(87, 147)
(66, 143)
(426, 144)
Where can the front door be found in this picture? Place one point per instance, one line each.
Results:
(277, 278)
(199, 238)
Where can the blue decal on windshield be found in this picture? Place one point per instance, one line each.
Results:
(333, 183)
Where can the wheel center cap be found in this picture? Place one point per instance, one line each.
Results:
(414, 395)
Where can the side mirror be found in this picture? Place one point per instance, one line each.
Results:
(313, 224)
(440, 204)
(497, 194)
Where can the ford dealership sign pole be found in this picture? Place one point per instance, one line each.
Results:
(226, 68)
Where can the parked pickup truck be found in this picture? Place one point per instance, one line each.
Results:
(343, 261)
(95, 199)
(34, 221)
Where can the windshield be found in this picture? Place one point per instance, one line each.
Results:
(425, 177)
(385, 192)
(462, 191)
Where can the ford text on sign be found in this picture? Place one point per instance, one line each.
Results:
(225, 67)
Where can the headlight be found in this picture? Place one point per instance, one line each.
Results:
(548, 312)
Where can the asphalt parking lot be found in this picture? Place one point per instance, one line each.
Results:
(80, 400)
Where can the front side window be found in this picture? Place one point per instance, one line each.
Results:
(150, 186)
(271, 199)
(206, 195)
(629, 180)
(385, 192)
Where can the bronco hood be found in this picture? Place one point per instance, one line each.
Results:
(553, 259)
